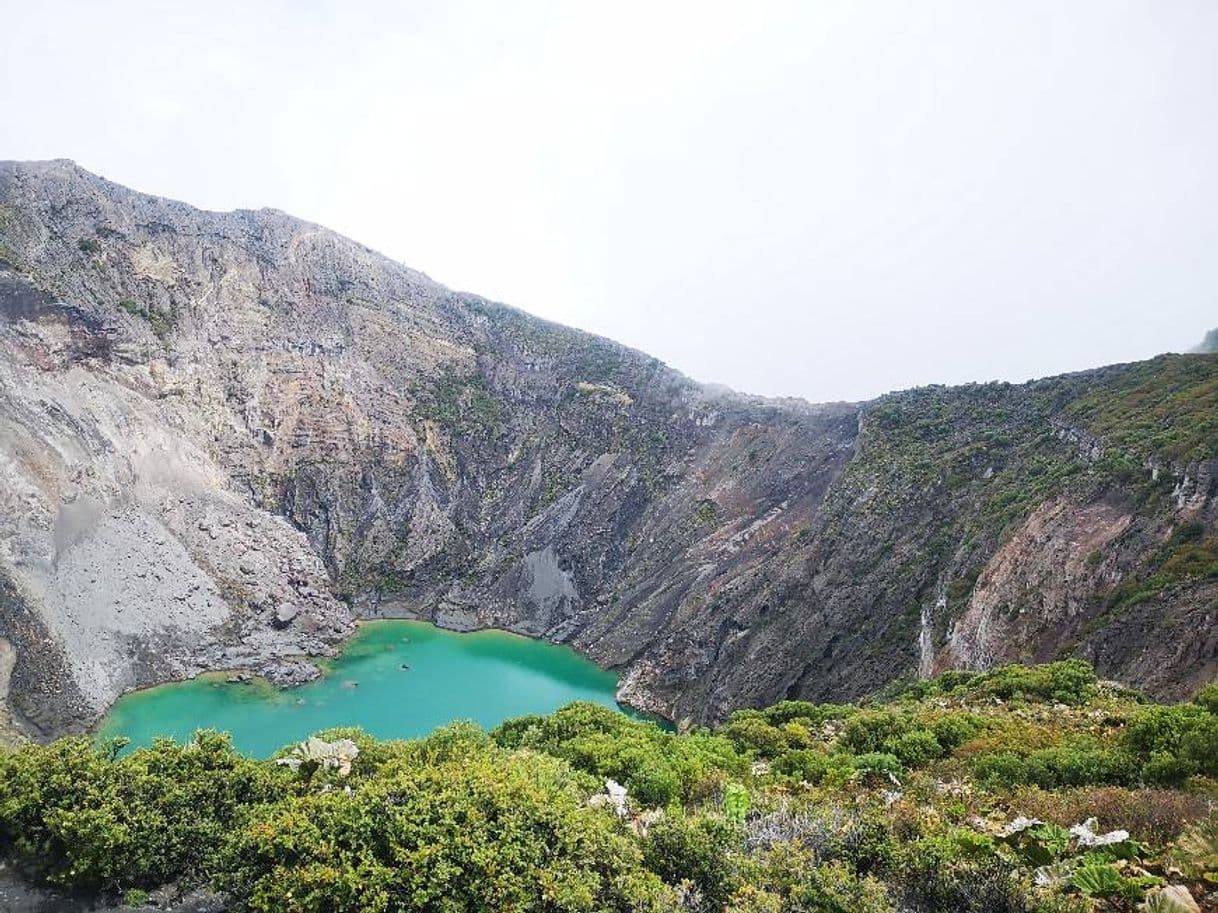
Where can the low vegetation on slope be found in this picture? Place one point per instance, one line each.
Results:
(1165, 408)
(1023, 442)
(1022, 789)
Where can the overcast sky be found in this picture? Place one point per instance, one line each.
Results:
(824, 199)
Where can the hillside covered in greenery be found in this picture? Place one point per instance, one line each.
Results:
(1021, 789)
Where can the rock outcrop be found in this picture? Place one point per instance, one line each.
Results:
(224, 437)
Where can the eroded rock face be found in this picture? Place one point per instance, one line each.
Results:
(1040, 597)
(223, 437)
(127, 554)
(1035, 586)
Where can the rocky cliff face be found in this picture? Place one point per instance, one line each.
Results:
(225, 437)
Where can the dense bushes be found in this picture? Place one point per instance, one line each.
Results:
(77, 818)
(1159, 746)
(1174, 742)
(1188, 555)
(1069, 681)
(889, 732)
(1077, 764)
(809, 743)
(697, 852)
(917, 804)
(472, 830)
(1207, 698)
(656, 766)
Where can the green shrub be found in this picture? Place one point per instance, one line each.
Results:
(466, 821)
(891, 733)
(462, 404)
(755, 736)
(1207, 697)
(1186, 556)
(787, 711)
(700, 850)
(1166, 407)
(873, 730)
(162, 323)
(657, 767)
(917, 747)
(811, 715)
(1061, 766)
(807, 765)
(874, 766)
(1200, 746)
(9, 259)
(1070, 681)
(798, 735)
(575, 719)
(490, 831)
(954, 729)
(787, 726)
(652, 781)
(790, 877)
(999, 770)
(1161, 728)
(1166, 769)
(452, 743)
(76, 817)
(1186, 732)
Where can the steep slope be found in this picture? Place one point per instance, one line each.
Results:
(225, 436)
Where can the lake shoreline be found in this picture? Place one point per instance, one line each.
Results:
(362, 685)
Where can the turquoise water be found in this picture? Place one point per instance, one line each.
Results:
(487, 677)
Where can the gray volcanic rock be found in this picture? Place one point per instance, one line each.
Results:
(225, 436)
(20, 895)
(289, 673)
